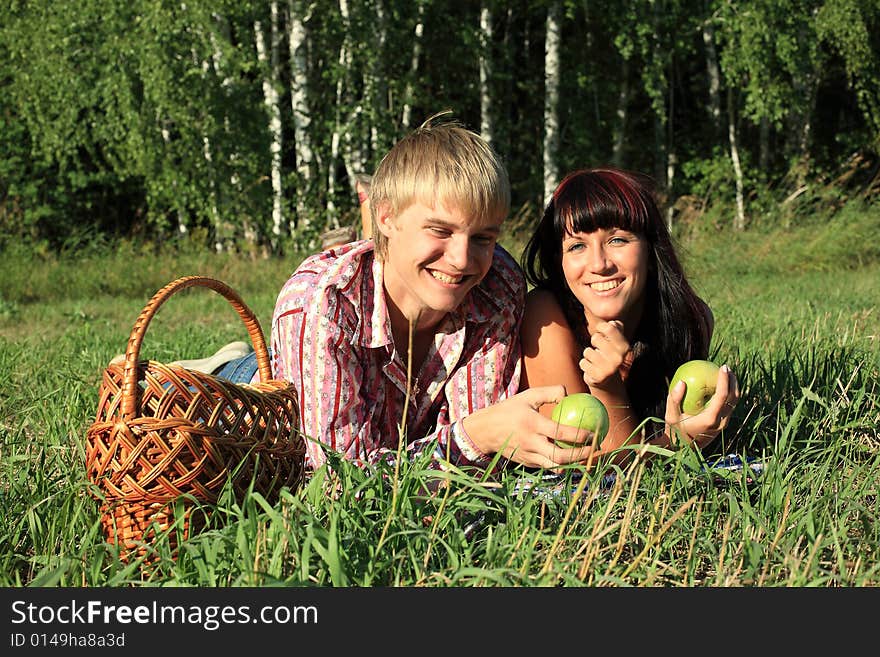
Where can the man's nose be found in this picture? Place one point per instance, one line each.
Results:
(457, 252)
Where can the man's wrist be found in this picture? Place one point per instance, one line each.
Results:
(466, 445)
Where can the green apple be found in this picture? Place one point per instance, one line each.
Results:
(582, 410)
(700, 377)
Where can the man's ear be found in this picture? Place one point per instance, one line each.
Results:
(384, 219)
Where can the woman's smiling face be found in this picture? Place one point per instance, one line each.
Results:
(607, 270)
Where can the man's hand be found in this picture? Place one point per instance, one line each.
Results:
(516, 429)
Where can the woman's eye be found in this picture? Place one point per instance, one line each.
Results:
(574, 246)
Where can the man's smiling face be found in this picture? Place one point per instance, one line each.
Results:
(436, 255)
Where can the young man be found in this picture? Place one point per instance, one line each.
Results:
(413, 335)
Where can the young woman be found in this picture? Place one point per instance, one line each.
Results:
(612, 313)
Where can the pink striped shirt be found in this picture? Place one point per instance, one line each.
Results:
(331, 336)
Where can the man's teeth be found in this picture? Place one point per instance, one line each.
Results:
(604, 285)
(443, 278)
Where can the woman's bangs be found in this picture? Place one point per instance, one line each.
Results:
(590, 202)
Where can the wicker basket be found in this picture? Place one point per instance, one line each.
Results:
(165, 435)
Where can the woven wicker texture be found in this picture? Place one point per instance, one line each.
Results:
(162, 432)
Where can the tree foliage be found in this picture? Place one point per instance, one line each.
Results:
(138, 117)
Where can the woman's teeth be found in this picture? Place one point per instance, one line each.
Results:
(604, 286)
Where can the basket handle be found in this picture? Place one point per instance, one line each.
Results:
(132, 351)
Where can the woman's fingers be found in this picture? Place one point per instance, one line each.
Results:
(726, 397)
(609, 335)
(673, 407)
(702, 427)
(602, 360)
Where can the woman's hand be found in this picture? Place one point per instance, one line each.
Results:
(516, 429)
(603, 360)
(701, 429)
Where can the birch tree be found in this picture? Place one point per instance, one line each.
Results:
(418, 36)
(206, 66)
(375, 85)
(168, 116)
(551, 100)
(269, 60)
(220, 40)
(344, 59)
(301, 113)
(654, 75)
(713, 72)
(487, 127)
(739, 221)
(628, 39)
(621, 111)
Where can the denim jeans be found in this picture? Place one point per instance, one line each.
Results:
(240, 370)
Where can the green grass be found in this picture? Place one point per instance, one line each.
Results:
(796, 317)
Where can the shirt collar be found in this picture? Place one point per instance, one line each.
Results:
(380, 321)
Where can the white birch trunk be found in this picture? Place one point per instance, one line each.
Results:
(661, 110)
(270, 96)
(739, 221)
(357, 140)
(344, 61)
(205, 66)
(486, 123)
(300, 106)
(621, 114)
(551, 101)
(660, 146)
(215, 211)
(806, 86)
(418, 34)
(714, 76)
(376, 87)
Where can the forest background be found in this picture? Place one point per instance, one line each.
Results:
(141, 141)
(242, 125)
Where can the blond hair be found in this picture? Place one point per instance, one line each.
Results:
(439, 163)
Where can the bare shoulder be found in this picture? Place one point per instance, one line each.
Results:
(542, 305)
(544, 324)
(549, 348)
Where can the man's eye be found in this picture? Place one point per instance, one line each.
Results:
(484, 239)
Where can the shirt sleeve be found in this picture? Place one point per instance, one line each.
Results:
(311, 349)
(490, 377)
